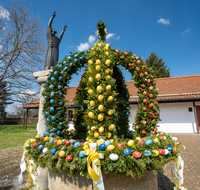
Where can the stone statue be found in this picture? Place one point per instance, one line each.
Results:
(52, 54)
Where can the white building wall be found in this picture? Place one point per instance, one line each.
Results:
(175, 117)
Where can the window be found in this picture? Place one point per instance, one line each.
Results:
(70, 115)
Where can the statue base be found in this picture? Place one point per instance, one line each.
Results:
(61, 181)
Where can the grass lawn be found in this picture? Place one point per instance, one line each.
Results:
(15, 135)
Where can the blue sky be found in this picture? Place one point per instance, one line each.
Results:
(171, 28)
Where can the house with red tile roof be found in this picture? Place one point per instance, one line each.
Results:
(178, 98)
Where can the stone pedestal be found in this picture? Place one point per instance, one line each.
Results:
(61, 181)
(41, 77)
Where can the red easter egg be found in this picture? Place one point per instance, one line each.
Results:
(141, 143)
(126, 53)
(74, 129)
(137, 68)
(144, 101)
(153, 132)
(76, 92)
(148, 80)
(151, 88)
(143, 132)
(79, 84)
(120, 145)
(150, 95)
(81, 74)
(144, 122)
(143, 86)
(162, 151)
(145, 93)
(35, 144)
(155, 129)
(138, 62)
(117, 51)
(42, 138)
(144, 67)
(137, 154)
(76, 86)
(55, 141)
(144, 109)
(146, 73)
(126, 60)
(67, 142)
(137, 127)
(141, 74)
(133, 57)
(158, 113)
(80, 80)
(152, 116)
(162, 137)
(130, 65)
(69, 158)
(151, 105)
(82, 143)
(116, 54)
(121, 57)
(144, 138)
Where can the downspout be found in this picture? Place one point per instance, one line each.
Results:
(195, 115)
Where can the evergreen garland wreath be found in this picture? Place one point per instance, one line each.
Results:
(103, 93)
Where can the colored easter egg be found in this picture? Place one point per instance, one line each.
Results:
(77, 144)
(127, 151)
(91, 115)
(111, 127)
(100, 117)
(101, 130)
(62, 153)
(53, 151)
(137, 154)
(40, 147)
(51, 109)
(148, 142)
(120, 145)
(130, 143)
(102, 147)
(107, 142)
(81, 154)
(110, 147)
(147, 153)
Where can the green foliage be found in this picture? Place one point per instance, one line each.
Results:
(101, 26)
(159, 67)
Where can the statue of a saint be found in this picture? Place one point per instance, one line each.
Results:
(53, 44)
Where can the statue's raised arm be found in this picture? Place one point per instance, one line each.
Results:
(61, 34)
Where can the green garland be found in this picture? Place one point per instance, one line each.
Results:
(102, 77)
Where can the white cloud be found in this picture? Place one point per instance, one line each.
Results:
(28, 93)
(163, 21)
(84, 46)
(91, 39)
(110, 35)
(185, 31)
(118, 37)
(4, 13)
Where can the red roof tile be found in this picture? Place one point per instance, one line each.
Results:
(173, 88)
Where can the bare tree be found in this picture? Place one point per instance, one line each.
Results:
(22, 48)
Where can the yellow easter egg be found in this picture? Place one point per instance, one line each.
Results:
(108, 87)
(107, 77)
(90, 79)
(138, 138)
(100, 117)
(46, 138)
(174, 149)
(90, 62)
(90, 132)
(110, 98)
(87, 139)
(110, 147)
(110, 112)
(99, 142)
(105, 30)
(91, 115)
(107, 71)
(97, 32)
(99, 44)
(106, 53)
(33, 140)
(62, 153)
(156, 140)
(37, 136)
(96, 135)
(155, 152)
(111, 127)
(108, 62)
(100, 108)
(93, 128)
(98, 68)
(99, 89)
(101, 130)
(90, 91)
(59, 142)
(130, 143)
(107, 46)
(98, 61)
(98, 77)
(112, 140)
(92, 103)
(100, 98)
(109, 135)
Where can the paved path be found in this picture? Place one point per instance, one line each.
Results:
(10, 159)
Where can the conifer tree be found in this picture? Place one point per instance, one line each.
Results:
(159, 67)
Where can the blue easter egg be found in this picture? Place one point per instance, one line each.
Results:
(71, 141)
(76, 55)
(147, 153)
(60, 111)
(59, 86)
(148, 142)
(52, 109)
(51, 86)
(60, 103)
(53, 79)
(45, 90)
(151, 135)
(64, 62)
(69, 58)
(127, 151)
(82, 52)
(60, 78)
(126, 113)
(66, 68)
(45, 97)
(62, 72)
(52, 94)
(51, 134)
(60, 66)
(51, 140)
(49, 75)
(42, 135)
(77, 144)
(48, 128)
(54, 129)
(55, 73)
(48, 120)
(58, 132)
(75, 60)
(107, 142)
(47, 113)
(53, 118)
(102, 147)
(40, 147)
(127, 108)
(71, 64)
(52, 101)
(169, 148)
(127, 95)
(60, 123)
(81, 154)
(47, 82)
(60, 94)
(168, 136)
(70, 54)
(81, 58)
(53, 151)
(128, 131)
(46, 133)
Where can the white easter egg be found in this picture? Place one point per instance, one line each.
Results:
(45, 150)
(166, 151)
(175, 138)
(113, 157)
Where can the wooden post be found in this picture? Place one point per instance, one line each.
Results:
(196, 119)
(26, 118)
